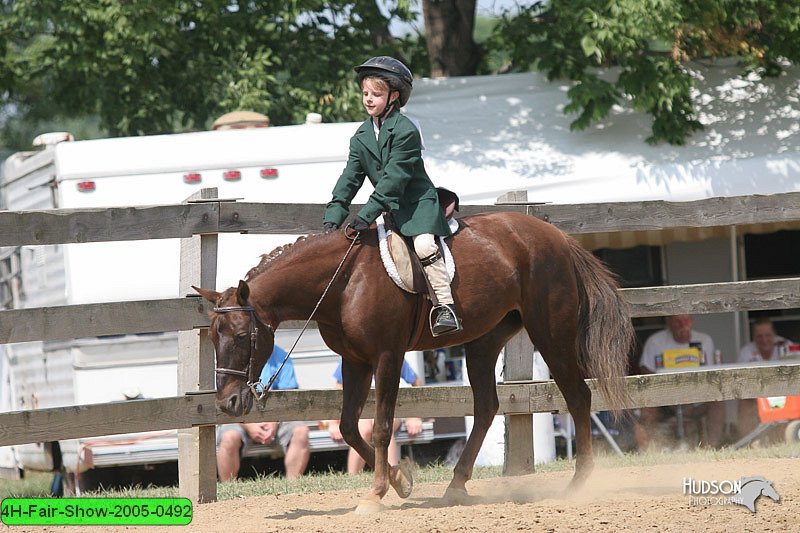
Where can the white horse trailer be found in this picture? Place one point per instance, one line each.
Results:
(277, 164)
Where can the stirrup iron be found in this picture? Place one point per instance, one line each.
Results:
(443, 320)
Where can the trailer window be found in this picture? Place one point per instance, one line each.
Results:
(774, 255)
(639, 266)
(10, 277)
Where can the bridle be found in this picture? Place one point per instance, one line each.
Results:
(247, 374)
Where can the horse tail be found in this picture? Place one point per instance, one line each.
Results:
(606, 335)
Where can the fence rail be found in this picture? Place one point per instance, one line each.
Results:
(64, 226)
(175, 314)
(517, 398)
(197, 223)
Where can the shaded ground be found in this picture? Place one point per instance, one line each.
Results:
(619, 499)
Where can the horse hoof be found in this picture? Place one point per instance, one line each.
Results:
(369, 507)
(576, 484)
(455, 496)
(403, 478)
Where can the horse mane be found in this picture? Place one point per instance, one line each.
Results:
(286, 250)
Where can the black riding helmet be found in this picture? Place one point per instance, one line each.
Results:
(389, 68)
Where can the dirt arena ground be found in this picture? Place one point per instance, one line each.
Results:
(620, 499)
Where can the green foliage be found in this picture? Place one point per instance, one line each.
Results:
(592, 98)
(171, 65)
(494, 59)
(645, 45)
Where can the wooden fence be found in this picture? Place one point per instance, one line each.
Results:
(193, 412)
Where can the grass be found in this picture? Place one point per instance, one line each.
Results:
(35, 485)
(38, 484)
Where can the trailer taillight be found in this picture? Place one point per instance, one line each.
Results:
(86, 186)
(232, 175)
(192, 177)
(269, 173)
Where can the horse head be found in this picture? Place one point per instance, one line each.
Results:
(243, 342)
(766, 489)
(752, 489)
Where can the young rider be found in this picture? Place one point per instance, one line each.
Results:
(387, 149)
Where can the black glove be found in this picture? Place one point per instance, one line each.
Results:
(329, 227)
(359, 224)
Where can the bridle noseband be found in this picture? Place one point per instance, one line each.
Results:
(248, 373)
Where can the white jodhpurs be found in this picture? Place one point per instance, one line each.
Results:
(425, 246)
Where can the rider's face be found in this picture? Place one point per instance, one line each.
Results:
(375, 96)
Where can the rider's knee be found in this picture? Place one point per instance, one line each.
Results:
(425, 245)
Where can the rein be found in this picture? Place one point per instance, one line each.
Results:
(253, 382)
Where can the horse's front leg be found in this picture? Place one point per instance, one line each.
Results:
(356, 380)
(387, 380)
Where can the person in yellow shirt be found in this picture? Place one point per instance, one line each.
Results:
(678, 337)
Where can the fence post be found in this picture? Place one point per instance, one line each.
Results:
(519, 428)
(197, 472)
(518, 366)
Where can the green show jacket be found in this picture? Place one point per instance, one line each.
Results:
(394, 165)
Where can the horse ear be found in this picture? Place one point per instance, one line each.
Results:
(242, 293)
(208, 294)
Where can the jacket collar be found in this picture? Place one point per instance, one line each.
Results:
(366, 133)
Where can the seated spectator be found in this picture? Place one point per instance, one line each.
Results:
(355, 463)
(678, 335)
(233, 439)
(765, 346)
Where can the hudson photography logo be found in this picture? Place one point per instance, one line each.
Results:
(744, 491)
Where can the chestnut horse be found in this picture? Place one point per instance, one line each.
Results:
(513, 271)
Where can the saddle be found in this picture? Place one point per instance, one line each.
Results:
(406, 265)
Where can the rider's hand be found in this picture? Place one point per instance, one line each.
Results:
(359, 224)
(329, 227)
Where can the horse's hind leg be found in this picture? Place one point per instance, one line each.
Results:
(570, 382)
(481, 357)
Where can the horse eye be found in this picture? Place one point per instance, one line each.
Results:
(241, 337)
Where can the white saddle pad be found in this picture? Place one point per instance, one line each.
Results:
(391, 268)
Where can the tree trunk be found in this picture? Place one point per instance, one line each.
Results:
(448, 31)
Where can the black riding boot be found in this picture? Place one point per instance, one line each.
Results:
(443, 320)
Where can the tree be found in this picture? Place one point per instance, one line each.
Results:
(641, 51)
(171, 65)
(449, 27)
